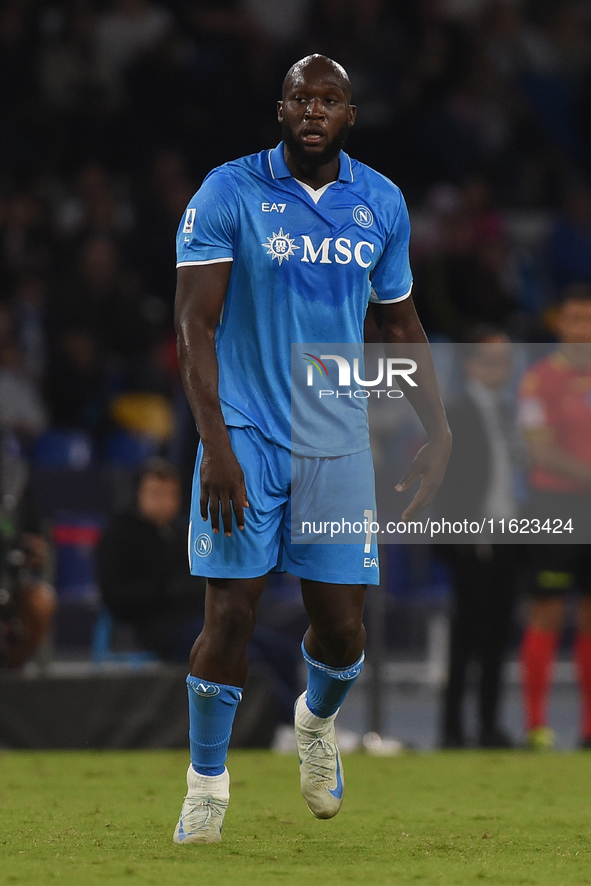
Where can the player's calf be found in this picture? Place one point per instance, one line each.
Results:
(212, 707)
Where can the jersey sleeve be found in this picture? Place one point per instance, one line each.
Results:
(206, 232)
(392, 278)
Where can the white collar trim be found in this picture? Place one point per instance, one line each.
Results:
(315, 195)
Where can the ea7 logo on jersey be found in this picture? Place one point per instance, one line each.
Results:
(189, 221)
(273, 207)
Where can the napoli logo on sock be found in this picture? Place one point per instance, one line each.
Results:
(206, 690)
(351, 673)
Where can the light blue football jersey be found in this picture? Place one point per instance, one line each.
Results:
(305, 265)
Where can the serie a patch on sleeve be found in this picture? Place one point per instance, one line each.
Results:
(189, 221)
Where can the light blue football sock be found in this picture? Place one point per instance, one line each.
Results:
(328, 687)
(212, 707)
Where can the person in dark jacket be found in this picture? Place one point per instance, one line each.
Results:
(27, 602)
(143, 569)
(479, 484)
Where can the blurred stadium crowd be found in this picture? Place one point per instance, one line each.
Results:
(112, 113)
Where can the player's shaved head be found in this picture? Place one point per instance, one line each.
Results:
(315, 115)
(314, 67)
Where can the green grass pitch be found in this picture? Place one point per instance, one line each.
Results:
(106, 818)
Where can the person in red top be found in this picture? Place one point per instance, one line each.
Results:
(555, 415)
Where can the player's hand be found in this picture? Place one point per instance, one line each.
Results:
(222, 488)
(429, 464)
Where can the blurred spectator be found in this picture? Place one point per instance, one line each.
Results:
(161, 201)
(67, 65)
(555, 414)
(106, 298)
(26, 239)
(30, 305)
(466, 274)
(143, 570)
(276, 32)
(76, 386)
(95, 206)
(569, 247)
(121, 34)
(27, 602)
(75, 105)
(479, 483)
(21, 408)
(369, 38)
(558, 55)
(437, 146)
(165, 106)
(18, 41)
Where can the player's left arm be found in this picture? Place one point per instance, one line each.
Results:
(399, 324)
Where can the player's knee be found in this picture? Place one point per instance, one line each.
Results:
(234, 621)
(344, 635)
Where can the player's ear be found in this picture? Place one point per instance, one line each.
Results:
(352, 114)
(280, 111)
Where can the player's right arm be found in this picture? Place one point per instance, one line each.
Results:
(200, 294)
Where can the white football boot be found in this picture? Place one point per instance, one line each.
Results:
(321, 769)
(204, 807)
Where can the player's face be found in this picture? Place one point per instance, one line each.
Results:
(316, 116)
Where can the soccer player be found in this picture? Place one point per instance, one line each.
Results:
(555, 413)
(280, 248)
